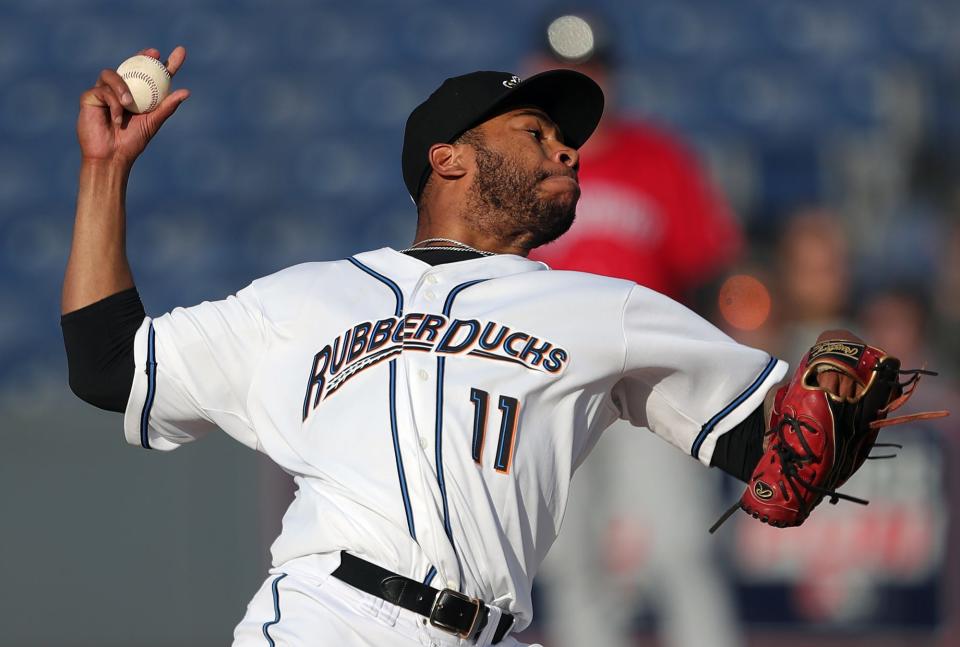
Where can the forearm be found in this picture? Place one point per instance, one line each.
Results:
(98, 267)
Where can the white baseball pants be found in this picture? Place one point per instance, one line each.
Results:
(299, 605)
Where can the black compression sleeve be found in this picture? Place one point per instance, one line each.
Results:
(739, 450)
(99, 343)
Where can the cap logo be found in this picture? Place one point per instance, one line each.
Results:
(512, 82)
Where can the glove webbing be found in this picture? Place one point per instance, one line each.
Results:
(908, 387)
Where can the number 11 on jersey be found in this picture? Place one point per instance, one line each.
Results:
(509, 415)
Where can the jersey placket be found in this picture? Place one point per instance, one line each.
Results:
(424, 373)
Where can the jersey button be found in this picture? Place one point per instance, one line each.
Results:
(431, 295)
(423, 442)
(423, 375)
(432, 280)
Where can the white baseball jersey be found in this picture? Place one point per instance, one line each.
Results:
(432, 416)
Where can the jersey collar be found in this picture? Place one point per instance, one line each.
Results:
(406, 269)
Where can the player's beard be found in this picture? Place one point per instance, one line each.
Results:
(504, 201)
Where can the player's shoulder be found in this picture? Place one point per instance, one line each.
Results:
(578, 278)
(283, 295)
(595, 289)
(297, 276)
(577, 286)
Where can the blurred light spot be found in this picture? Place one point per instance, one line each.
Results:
(744, 302)
(571, 38)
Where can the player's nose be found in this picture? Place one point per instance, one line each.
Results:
(567, 156)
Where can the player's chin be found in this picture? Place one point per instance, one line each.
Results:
(552, 221)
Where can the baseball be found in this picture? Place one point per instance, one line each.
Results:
(148, 80)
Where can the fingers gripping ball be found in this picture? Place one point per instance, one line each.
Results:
(817, 439)
(148, 80)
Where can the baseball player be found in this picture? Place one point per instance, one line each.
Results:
(432, 402)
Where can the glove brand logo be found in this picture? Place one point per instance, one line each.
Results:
(839, 349)
(763, 491)
(512, 82)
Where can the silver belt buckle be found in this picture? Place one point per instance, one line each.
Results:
(438, 604)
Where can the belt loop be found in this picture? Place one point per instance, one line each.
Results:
(493, 621)
(449, 610)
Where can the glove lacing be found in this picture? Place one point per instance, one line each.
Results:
(790, 462)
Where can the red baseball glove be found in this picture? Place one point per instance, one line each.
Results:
(818, 438)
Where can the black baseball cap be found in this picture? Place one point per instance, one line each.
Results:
(572, 100)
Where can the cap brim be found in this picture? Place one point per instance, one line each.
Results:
(573, 101)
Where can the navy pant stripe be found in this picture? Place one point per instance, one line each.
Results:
(430, 575)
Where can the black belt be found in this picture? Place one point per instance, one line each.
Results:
(449, 610)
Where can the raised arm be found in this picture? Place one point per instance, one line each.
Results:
(111, 139)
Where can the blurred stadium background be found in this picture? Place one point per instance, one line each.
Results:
(289, 151)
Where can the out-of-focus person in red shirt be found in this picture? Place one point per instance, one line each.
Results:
(634, 535)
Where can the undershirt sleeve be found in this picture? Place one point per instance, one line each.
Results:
(739, 450)
(98, 339)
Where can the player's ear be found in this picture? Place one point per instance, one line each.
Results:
(449, 161)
